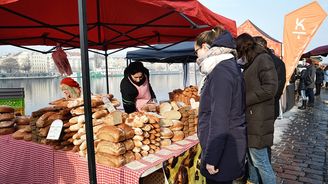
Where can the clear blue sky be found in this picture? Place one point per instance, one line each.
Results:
(268, 15)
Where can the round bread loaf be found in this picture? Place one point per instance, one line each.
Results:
(22, 120)
(5, 131)
(6, 124)
(6, 109)
(6, 116)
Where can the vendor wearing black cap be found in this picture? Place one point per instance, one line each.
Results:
(135, 88)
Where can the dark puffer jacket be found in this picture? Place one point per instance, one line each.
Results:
(261, 85)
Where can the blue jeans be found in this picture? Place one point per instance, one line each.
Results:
(260, 165)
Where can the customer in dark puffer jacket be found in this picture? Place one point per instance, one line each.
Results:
(261, 83)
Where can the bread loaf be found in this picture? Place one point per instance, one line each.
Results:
(6, 116)
(110, 160)
(136, 149)
(129, 156)
(138, 131)
(137, 143)
(173, 114)
(129, 145)
(166, 142)
(43, 120)
(113, 118)
(138, 156)
(6, 109)
(111, 148)
(28, 137)
(166, 133)
(129, 132)
(164, 107)
(178, 136)
(22, 120)
(165, 123)
(6, 124)
(99, 114)
(111, 133)
(176, 125)
(19, 134)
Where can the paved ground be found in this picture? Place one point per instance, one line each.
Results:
(300, 153)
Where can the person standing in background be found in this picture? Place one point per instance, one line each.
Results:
(310, 83)
(221, 123)
(281, 73)
(261, 83)
(319, 78)
(135, 88)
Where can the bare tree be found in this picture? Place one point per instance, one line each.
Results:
(26, 66)
(10, 65)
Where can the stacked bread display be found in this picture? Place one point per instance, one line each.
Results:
(7, 115)
(146, 133)
(23, 127)
(185, 95)
(171, 126)
(114, 142)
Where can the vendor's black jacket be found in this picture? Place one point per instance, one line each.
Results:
(129, 92)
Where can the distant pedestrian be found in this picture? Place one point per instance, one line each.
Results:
(318, 80)
(221, 127)
(302, 87)
(326, 76)
(261, 86)
(310, 83)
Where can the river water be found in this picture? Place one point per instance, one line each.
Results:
(39, 92)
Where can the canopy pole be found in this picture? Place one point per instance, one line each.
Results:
(106, 62)
(195, 74)
(86, 90)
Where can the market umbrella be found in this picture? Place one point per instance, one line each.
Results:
(319, 51)
(111, 24)
(108, 24)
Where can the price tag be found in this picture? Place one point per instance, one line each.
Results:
(174, 147)
(110, 107)
(183, 142)
(151, 158)
(193, 137)
(55, 129)
(164, 152)
(135, 165)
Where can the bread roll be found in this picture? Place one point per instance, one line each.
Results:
(129, 145)
(129, 132)
(166, 142)
(176, 125)
(144, 153)
(22, 120)
(136, 149)
(138, 156)
(146, 135)
(178, 136)
(43, 132)
(151, 151)
(164, 107)
(138, 137)
(152, 146)
(19, 134)
(111, 148)
(6, 116)
(43, 120)
(146, 142)
(165, 123)
(6, 109)
(83, 145)
(28, 137)
(26, 128)
(173, 114)
(147, 127)
(138, 131)
(6, 124)
(137, 143)
(110, 160)
(99, 114)
(111, 133)
(44, 110)
(75, 128)
(73, 120)
(166, 133)
(129, 156)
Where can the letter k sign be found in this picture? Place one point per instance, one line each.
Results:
(299, 28)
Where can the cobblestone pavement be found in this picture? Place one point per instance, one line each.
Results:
(300, 152)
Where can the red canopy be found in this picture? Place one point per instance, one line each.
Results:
(322, 51)
(111, 24)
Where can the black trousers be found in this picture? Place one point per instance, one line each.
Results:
(318, 88)
(216, 182)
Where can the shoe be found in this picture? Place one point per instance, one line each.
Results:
(303, 107)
